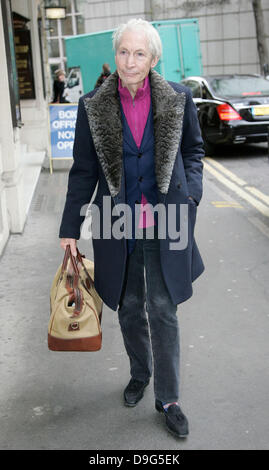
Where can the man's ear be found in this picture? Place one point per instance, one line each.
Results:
(154, 62)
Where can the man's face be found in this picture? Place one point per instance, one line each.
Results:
(133, 58)
(61, 78)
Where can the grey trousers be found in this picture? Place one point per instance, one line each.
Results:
(155, 334)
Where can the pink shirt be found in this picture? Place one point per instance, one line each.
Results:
(136, 112)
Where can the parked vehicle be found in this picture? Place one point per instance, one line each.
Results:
(232, 109)
(74, 85)
(181, 51)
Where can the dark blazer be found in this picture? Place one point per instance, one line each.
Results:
(98, 158)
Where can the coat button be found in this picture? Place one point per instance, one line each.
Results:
(179, 185)
(140, 179)
(139, 155)
(137, 202)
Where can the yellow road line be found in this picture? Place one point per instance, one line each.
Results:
(225, 171)
(226, 204)
(239, 191)
(258, 193)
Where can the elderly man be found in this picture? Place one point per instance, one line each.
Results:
(138, 137)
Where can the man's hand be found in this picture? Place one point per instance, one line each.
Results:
(72, 242)
(191, 198)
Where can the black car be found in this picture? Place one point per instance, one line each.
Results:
(232, 109)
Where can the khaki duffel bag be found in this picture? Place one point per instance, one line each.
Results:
(76, 308)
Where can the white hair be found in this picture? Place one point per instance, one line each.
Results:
(154, 40)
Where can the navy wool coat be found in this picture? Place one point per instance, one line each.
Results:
(98, 159)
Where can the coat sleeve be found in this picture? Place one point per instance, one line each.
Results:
(83, 177)
(192, 149)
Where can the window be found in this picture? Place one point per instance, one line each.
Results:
(54, 48)
(205, 93)
(67, 27)
(240, 85)
(57, 30)
(11, 63)
(52, 26)
(80, 24)
(195, 88)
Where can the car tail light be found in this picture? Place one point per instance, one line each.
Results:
(227, 113)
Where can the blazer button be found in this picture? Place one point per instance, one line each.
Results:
(137, 202)
(140, 179)
(139, 155)
(179, 185)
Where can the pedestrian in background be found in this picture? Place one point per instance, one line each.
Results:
(105, 73)
(139, 138)
(59, 87)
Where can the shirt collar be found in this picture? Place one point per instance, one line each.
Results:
(140, 94)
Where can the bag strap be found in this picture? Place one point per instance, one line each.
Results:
(80, 260)
(66, 258)
(75, 294)
(72, 279)
(68, 255)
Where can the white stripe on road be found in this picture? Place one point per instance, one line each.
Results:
(262, 208)
(258, 193)
(226, 172)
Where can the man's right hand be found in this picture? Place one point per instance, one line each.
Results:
(72, 242)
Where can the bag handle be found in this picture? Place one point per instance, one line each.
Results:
(66, 258)
(72, 281)
(68, 255)
(80, 260)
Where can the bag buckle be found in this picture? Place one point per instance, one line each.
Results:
(73, 326)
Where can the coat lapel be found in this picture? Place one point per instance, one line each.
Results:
(104, 116)
(168, 110)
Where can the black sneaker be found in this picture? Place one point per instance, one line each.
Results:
(134, 392)
(176, 421)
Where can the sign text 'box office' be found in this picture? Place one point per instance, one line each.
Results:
(62, 124)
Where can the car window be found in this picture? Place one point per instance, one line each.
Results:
(195, 88)
(235, 86)
(205, 93)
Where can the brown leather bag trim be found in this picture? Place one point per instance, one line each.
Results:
(78, 344)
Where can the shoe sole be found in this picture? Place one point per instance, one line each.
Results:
(131, 405)
(182, 436)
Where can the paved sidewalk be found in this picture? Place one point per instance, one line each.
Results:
(51, 400)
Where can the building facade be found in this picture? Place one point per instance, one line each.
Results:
(227, 31)
(23, 120)
(227, 27)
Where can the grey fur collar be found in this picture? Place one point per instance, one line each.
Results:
(104, 115)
